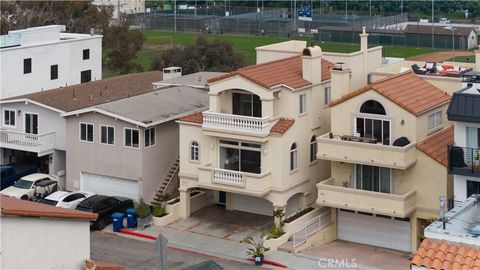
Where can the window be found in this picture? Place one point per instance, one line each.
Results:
(150, 137)
(434, 120)
(85, 76)
(473, 187)
(74, 197)
(27, 65)
(132, 138)
(313, 149)
(31, 124)
(53, 72)
(86, 132)
(303, 103)
(372, 107)
(240, 156)
(194, 151)
(293, 157)
(9, 117)
(246, 104)
(373, 178)
(473, 137)
(107, 135)
(328, 95)
(86, 54)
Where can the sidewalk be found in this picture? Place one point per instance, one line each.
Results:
(225, 249)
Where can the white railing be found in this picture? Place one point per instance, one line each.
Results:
(228, 177)
(236, 123)
(312, 226)
(26, 141)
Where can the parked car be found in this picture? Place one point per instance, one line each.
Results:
(44, 188)
(65, 199)
(26, 187)
(12, 172)
(104, 206)
(444, 20)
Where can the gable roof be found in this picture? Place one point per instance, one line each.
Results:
(287, 71)
(407, 90)
(96, 92)
(436, 145)
(439, 30)
(435, 254)
(23, 208)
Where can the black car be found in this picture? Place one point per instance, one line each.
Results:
(104, 206)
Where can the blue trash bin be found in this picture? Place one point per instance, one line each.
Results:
(117, 220)
(131, 218)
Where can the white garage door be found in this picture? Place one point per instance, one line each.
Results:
(252, 204)
(374, 230)
(112, 186)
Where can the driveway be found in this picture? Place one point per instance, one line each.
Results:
(217, 222)
(366, 257)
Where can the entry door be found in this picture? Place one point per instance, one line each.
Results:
(31, 125)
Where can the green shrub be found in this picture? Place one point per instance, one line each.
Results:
(275, 231)
(159, 211)
(143, 210)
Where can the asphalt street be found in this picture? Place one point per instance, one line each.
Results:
(138, 254)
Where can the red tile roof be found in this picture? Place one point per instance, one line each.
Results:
(405, 89)
(287, 71)
(435, 254)
(282, 125)
(436, 145)
(23, 208)
(101, 265)
(196, 118)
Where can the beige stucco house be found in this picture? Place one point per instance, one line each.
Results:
(388, 152)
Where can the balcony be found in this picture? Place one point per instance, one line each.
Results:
(236, 123)
(40, 144)
(364, 151)
(464, 161)
(234, 181)
(330, 194)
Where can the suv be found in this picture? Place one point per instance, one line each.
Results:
(104, 206)
(26, 187)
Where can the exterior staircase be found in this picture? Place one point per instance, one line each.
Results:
(166, 185)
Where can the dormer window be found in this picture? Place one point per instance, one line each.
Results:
(372, 107)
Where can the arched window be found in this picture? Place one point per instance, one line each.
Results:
(194, 151)
(372, 107)
(293, 157)
(313, 148)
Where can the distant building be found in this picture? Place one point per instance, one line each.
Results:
(464, 37)
(42, 58)
(126, 6)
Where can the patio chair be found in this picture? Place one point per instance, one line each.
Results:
(430, 67)
(418, 70)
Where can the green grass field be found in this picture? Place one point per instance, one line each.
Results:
(155, 41)
(464, 59)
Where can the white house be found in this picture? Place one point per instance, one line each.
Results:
(39, 236)
(42, 58)
(464, 155)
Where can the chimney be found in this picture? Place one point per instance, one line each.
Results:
(477, 59)
(312, 64)
(339, 81)
(364, 40)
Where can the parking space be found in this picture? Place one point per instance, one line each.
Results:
(216, 221)
(364, 256)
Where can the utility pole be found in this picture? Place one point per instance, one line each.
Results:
(175, 14)
(118, 13)
(433, 24)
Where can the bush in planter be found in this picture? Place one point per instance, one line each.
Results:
(275, 231)
(257, 247)
(144, 215)
(159, 210)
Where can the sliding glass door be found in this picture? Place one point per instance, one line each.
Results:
(246, 104)
(373, 178)
(31, 125)
(374, 128)
(243, 157)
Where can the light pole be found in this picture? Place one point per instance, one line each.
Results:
(452, 28)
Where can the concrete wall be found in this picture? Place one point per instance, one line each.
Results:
(41, 243)
(67, 54)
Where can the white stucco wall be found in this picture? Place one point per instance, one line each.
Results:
(40, 243)
(67, 54)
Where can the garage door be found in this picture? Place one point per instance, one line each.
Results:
(112, 186)
(380, 231)
(252, 204)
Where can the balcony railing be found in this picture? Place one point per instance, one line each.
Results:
(40, 144)
(236, 123)
(228, 177)
(338, 196)
(365, 151)
(464, 160)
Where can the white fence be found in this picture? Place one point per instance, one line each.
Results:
(236, 123)
(27, 141)
(312, 226)
(228, 177)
